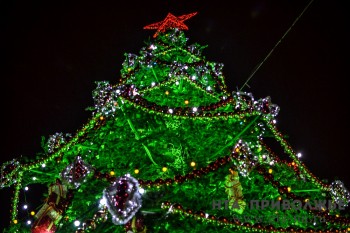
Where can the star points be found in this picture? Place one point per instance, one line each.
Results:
(170, 21)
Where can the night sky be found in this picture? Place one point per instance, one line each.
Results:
(54, 51)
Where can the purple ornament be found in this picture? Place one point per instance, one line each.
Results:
(340, 194)
(265, 106)
(123, 199)
(74, 174)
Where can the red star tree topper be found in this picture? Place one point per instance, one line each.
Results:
(170, 21)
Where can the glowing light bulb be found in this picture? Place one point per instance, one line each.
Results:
(26, 188)
(43, 165)
(153, 47)
(141, 190)
(299, 155)
(164, 169)
(25, 207)
(29, 222)
(187, 102)
(103, 201)
(270, 170)
(171, 111)
(76, 223)
(112, 173)
(136, 171)
(193, 164)
(194, 109)
(32, 213)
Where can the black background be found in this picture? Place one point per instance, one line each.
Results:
(54, 51)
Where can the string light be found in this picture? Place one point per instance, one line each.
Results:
(180, 114)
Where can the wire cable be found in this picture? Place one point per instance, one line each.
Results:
(269, 54)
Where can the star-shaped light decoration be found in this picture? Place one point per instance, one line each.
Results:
(170, 21)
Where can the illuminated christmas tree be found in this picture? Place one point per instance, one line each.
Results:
(168, 149)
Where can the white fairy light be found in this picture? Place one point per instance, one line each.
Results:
(103, 201)
(153, 47)
(76, 223)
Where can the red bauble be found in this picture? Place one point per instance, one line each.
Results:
(44, 225)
